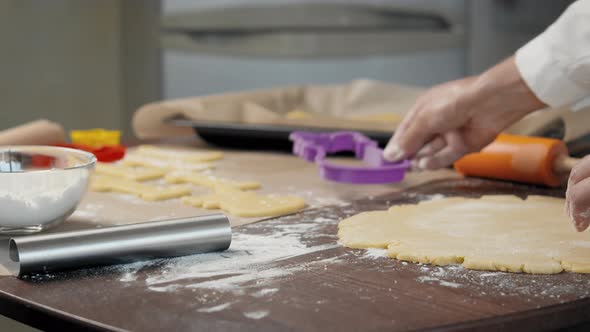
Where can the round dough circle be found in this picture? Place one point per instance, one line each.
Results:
(496, 233)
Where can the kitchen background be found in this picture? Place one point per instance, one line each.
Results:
(91, 63)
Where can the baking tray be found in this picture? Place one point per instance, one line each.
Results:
(276, 137)
(257, 137)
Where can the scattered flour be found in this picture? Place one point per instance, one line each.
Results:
(315, 200)
(376, 253)
(436, 197)
(88, 212)
(256, 314)
(266, 291)
(439, 281)
(216, 308)
(251, 261)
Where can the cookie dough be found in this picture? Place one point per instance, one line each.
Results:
(105, 183)
(247, 204)
(136, 159)
(209, 181)
(128, 172)
(496, 233)
(178, 155)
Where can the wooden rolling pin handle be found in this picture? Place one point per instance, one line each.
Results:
(564, 164)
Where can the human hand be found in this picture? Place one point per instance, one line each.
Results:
(578, 195)
(463, 116)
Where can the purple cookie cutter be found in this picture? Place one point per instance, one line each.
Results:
(314, 147)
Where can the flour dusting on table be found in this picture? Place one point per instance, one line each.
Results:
(256, 314)
(251, 261)
(215, 308)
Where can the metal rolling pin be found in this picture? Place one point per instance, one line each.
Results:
(119, 244)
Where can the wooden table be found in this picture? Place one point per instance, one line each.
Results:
(311, 283)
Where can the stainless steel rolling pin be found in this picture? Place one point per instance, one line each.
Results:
(119, 244)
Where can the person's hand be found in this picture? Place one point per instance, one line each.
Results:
(459, 117)
(578, 195)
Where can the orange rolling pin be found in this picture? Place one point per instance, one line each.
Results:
(520, 158)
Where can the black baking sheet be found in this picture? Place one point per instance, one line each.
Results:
(249, 136)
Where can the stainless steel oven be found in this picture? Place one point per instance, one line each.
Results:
(213, 46)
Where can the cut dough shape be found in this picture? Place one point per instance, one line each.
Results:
(102, 183)
(127, 172)
(210, 181)
(178, 155)
(496, 233)
(247, 204)
(135, 159)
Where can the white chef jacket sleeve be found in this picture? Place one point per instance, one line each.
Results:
(556, 64)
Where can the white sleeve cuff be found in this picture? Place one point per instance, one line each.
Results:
(546, 76)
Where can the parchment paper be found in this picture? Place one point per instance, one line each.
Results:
(332, 105)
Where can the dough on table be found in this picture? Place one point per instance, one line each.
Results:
(496, 233)
(136, 159)
(246, 204)
(105, 183)
(128, 172)
(209, 181)
(186, 156)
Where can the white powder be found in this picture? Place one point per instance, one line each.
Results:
(436, 197)
(215, 308)
(266, 291)
(376, 253)
(88, 212)
(36, 198)
(251, 261)
(440, 282)
(492, 274)
(256, 314)
(315, 199)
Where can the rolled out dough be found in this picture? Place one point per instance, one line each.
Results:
(496, 233)
(246, 204)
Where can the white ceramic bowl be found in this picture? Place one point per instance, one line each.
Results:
(40, 186)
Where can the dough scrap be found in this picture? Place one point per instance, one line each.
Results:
(136, 159)
(127, 172)
(246, 204)
(105, 183)
(496, 233)
(177, 155)
(209, 181)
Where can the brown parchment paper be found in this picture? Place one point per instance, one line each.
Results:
(331, 104)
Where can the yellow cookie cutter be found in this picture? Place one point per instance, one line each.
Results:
(96, 137)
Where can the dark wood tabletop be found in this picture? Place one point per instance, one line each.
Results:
(289, 273)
